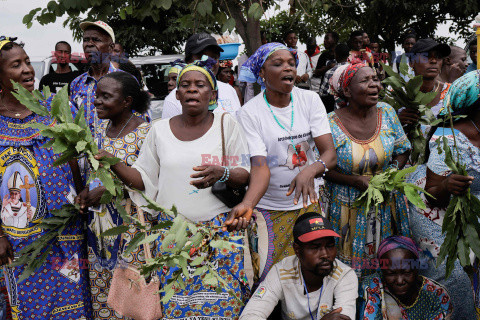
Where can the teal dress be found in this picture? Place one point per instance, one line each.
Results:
(362, 233)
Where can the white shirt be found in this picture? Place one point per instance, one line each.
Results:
(227, 102)
(315, 81)
(304, 67)
(266, 138)
(284, 282)
(166, 164)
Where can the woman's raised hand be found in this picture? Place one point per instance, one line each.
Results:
(208, 176)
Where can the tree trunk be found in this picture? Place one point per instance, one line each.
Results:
(248, 28)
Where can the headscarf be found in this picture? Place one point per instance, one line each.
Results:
(4, 40)
(336, 88)
(250, 70)
(463, 95)
(350, 72)
(226, 64)
(204, 67)
(397, 242)
(176, 66)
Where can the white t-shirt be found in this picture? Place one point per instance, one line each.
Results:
(227, 102)
(304, 67)
(266, 138)
(166, 164)
(284, 283)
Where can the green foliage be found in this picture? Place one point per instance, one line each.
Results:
(186, 246)
(72, 139)
(36, 253)
(381, 186)
(461, 221)
(402, 94)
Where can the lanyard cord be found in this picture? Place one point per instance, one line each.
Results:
(308, 299)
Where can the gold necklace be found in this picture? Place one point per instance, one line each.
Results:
(17, 114)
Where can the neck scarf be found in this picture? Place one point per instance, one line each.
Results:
(250, 70)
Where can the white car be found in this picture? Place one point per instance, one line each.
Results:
(155, 76)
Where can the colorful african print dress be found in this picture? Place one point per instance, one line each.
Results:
(105, 253)
(377, 303)
(362, 233)
(426, 224)
(30, 187)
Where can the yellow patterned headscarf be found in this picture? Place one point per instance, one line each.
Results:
(4, 40)
(202, 66)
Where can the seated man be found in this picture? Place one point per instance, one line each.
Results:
(312, 284)
(399, 292)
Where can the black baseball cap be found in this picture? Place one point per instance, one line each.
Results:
(199, 42)
(428, 44)
(312, 226)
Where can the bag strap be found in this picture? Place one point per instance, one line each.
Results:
(223, 140)
(141, 218)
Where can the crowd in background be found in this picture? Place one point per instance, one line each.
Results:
(301, 134)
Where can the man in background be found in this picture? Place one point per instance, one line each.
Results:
(454, 66)
(63, 75)
(313, 53)
(472, 48)
(304, 70)
(326, 60)
(341, 55)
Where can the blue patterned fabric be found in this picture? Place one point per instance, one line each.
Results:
(377, 303)
(250, 70)
(426, 224)
(463, 93)
(30, 187)
(197, 301)
(82, 95)
(357, 243)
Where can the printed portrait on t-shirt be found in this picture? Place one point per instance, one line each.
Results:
(297, 155)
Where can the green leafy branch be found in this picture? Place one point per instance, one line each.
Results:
(72, 139)
(405, 94)
(461, 221)
(185, 245)
(381, 186)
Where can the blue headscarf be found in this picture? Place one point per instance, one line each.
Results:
(250, 70)
(463, 94)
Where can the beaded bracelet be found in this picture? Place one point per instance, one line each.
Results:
(325, 165)
(226, 175)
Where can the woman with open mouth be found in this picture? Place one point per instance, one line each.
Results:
(368, 139)
(283, 124)
(179, 162)
(58, 289)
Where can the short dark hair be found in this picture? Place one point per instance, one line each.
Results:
(334, 34)
(131, 88)
(285, 35)
(472, 42)
(311, 41)
(356, 33)
(63, 42)
(342, 51)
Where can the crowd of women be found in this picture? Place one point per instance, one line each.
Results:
(292, 155)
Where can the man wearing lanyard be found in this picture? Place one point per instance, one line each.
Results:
(312, 284)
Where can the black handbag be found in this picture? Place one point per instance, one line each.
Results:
(228, 195)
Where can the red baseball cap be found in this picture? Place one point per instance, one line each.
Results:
(312, 226)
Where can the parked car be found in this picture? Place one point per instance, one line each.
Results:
(155, 76)
(47, 65)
